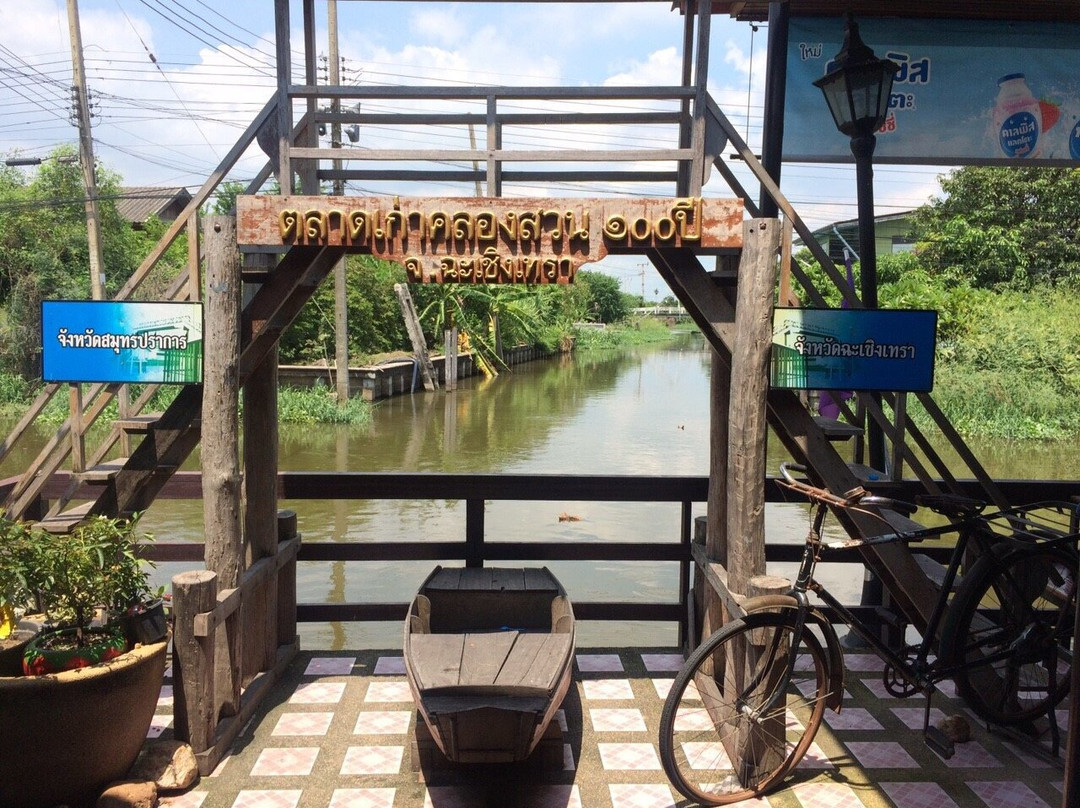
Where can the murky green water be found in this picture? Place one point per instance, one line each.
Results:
(633, 411)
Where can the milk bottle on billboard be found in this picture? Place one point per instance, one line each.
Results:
(1017, 117)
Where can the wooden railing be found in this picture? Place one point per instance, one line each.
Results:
(199, 608)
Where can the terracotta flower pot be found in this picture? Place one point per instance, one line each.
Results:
(64, 737)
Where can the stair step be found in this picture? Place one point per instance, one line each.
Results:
(138, 424)
(837, 430)
(64, 521)
(103, 472)
(934, 570)
(867, 474)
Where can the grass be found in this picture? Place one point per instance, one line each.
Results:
(637, 331)
(316, 405)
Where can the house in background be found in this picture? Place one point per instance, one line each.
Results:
(892, 234)
(138, 204)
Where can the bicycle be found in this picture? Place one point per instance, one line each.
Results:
(755, 692)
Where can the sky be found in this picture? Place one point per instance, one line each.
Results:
(175, 82)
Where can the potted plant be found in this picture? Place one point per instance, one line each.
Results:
(20, 579)
(91, 581)
(67, 735)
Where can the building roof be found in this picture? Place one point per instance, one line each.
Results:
(1030, 10)
(138, 204)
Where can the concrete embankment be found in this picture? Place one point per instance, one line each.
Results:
(395, 377)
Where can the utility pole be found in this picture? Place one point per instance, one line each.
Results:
(341, 311)
(86, 155)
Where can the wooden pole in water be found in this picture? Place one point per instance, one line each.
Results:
(224, 551)
(416, 336)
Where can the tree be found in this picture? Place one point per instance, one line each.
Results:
(44, 251)
(605, 302)
(375, 324)
(1003, 225)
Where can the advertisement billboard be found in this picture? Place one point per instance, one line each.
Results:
(967, 92)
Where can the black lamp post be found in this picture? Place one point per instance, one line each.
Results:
(857, 90)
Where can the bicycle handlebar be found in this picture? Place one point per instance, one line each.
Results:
(852, 498)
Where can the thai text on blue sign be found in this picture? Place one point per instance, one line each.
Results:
(121, 342)
(853, 349)
(967, 92)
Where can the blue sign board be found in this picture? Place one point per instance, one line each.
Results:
(967, 92)
(853, 349)
(121, 342)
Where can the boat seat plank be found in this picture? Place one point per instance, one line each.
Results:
(445, 578)
(538, 579)
(475, 578)
(437, 659)
(507, 579)
(483, 656)
(535, 661)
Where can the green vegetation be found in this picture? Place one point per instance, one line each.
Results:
(999, 260)
(318, 405)
(998, 256)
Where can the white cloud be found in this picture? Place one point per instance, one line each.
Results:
(660, 68)
(443, 25)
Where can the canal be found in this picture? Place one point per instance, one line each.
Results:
(642, 410)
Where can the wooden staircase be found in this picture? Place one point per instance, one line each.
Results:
(125, 485)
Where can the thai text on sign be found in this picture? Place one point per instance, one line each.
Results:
(496, 240)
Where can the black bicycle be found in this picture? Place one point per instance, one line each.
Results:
(746, 705)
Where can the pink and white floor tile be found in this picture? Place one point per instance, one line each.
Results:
(339, 736)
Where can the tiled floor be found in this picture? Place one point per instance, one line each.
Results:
(336, 733)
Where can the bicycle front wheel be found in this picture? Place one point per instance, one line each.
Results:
(723, 735)
(1010, 626)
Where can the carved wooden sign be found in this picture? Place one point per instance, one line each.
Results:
(493, 240)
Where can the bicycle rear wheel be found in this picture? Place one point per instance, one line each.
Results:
(706, 723)
(1019, 605)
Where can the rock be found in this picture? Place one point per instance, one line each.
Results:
(171, 765)
(129, 794)
(956, 727)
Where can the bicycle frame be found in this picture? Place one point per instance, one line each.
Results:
(917, 671)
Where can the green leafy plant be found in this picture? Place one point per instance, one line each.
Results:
(20, 573)
(95, 567)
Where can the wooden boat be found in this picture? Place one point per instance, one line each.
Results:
(489, 654)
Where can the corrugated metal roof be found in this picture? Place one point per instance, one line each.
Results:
(1045, 10)
(138, 204)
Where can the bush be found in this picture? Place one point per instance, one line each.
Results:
(318, 405)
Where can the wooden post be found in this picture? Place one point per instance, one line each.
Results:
(716, 539)
(450, 357)
(286, 581)
(416, 336)
(194, 283)
(747, 415)
(123, 410)
(259, 612)
(760, 746)
(195, 719)
(78, 436)
(900, 424)
(224, 551)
